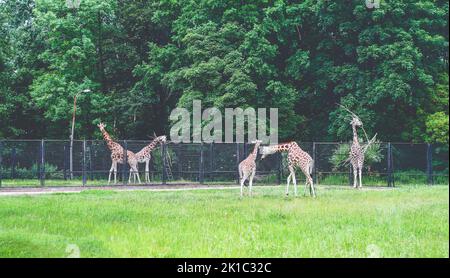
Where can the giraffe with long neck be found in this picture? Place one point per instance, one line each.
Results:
(296, 158)
(247, 168)
(145, 154)
(117, 156)
(356, 153)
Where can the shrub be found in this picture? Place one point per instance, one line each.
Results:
(51, 172)
(340, 155)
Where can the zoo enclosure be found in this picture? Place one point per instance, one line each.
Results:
(47, 163)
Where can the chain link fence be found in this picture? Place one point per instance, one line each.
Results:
(36, 163)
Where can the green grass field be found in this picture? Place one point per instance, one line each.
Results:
(402, 222)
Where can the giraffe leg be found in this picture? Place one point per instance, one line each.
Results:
(250, 183)
(288, 181)
(292, 175)
(355, 177)
(134, 172)
(309, 181)
(137, 172)
(294, 181)
(110, 172)
(147, 171)
(115, 172)
(129, 176)
(244, 177)
(312, 192)
(306, 188)
(360, 177)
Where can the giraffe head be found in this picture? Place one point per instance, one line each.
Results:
(267, 150)
(161, 139)
(356, 121)
(256, 142)
(101, 126)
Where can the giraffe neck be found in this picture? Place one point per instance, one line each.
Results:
(107, 138)
(150, 147)
(284, 147)
(355, 135)
(255, 150)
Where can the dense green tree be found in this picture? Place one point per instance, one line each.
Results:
(76, 44)
(141, 59)
(19, 117)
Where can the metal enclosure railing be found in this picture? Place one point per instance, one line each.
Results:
(34, 163)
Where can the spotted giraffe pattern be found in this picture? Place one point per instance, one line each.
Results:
(145, 154)
(117, 156)
(356, 154)
(247, 168)
(297, 158)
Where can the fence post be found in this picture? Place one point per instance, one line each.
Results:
(42, 169)
(211, 161)
(315, 164)
(389, 164)
(13, 162)
(180, 161)
(84, 163)
(244, 152)
(164, 160)
(64, 161)
(392, 168)
(91, 174)
(201, 170)
(429, 164)
(125, 162)
(237, 162)
(1, 160)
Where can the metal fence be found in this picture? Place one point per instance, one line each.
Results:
(48, 163)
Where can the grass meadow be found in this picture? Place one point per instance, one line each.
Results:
(409, 221)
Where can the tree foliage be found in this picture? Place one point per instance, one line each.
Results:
(140, 59)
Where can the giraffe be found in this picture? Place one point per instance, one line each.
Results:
(247, 167)
(357, 152)
(144, 155)
(296, 158)
(117, 156)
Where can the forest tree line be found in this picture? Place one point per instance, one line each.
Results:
(141, 59)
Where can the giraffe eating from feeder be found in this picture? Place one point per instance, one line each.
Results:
(296, 158)
(144, 155)
(117, 156)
